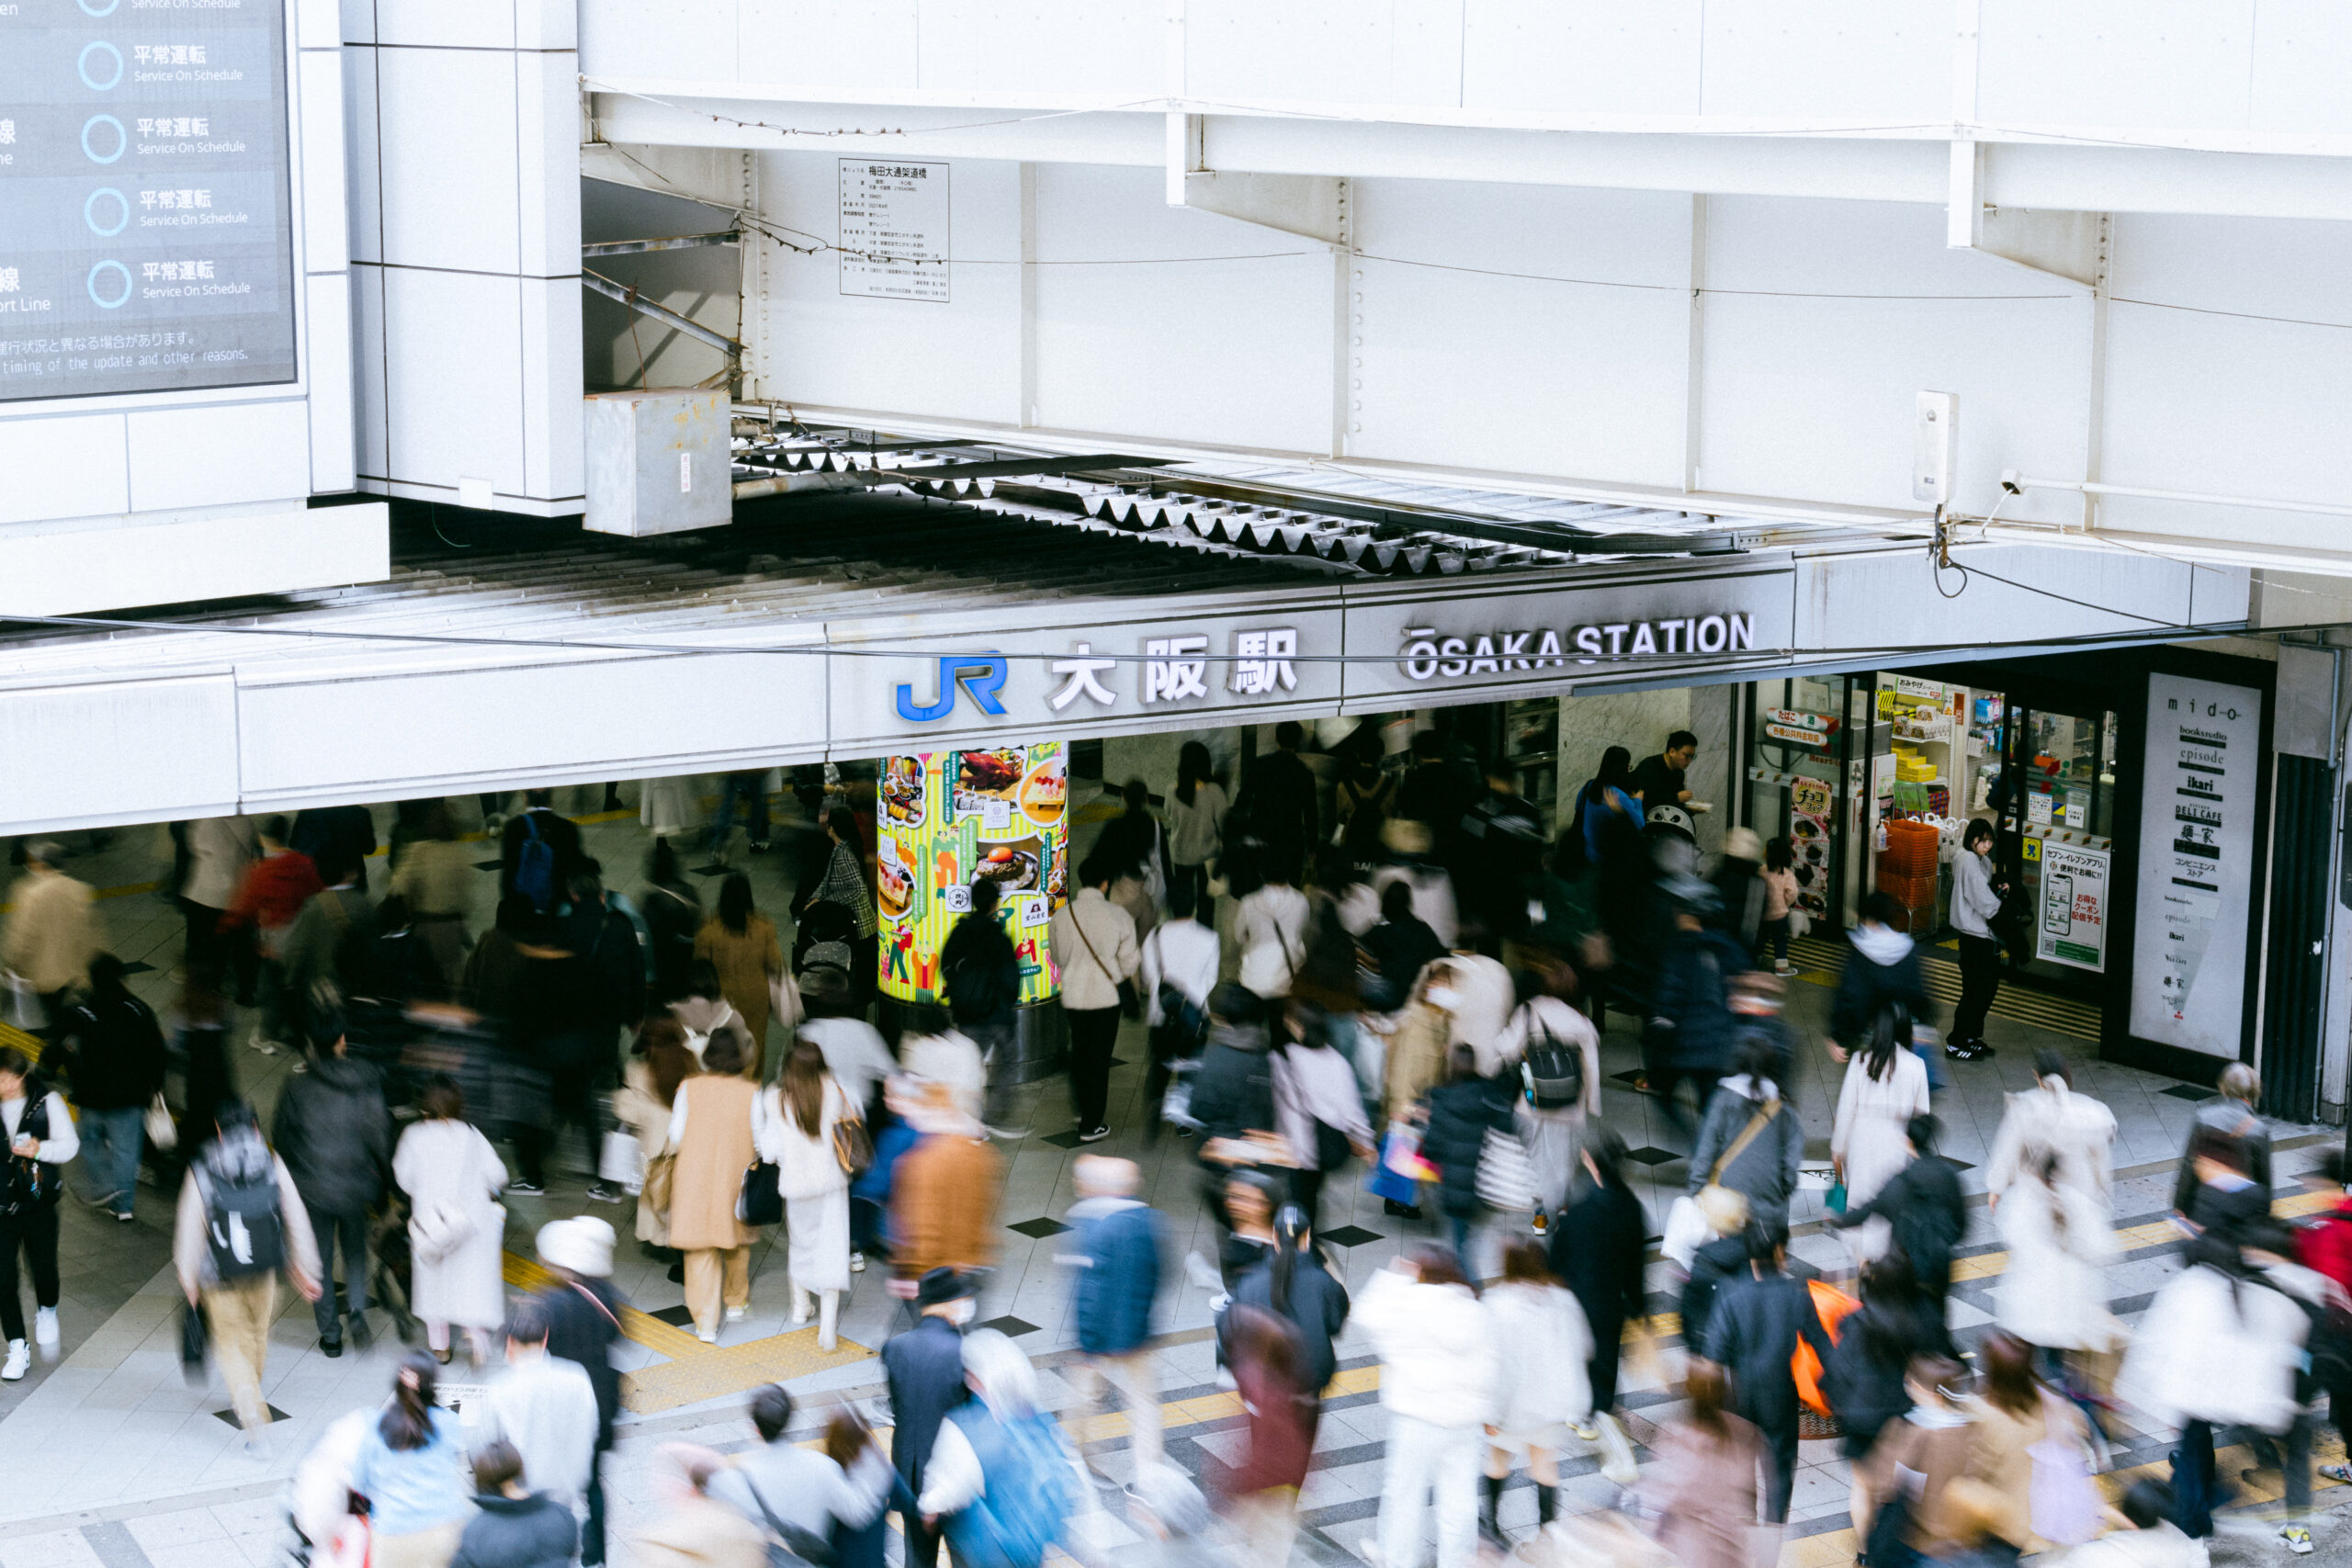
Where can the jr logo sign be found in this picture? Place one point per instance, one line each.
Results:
(982, 676)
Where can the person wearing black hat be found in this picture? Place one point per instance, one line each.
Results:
(925, 1370)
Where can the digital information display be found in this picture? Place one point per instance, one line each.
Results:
(146, 229)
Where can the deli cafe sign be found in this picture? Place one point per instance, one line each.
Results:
(1427, 656)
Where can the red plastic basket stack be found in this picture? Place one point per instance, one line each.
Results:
(1907, 872)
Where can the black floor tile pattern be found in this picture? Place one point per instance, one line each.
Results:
(1010, 1328)
(1956, 1164)
(229, 1416)
(1039, 1228)
(713, 869)
(680, 1316)
(1653, 1156)
(486, 865)
(1063, 1140)
(2188, 1091)
(1349, 1236)
(1631, 1077)
(134, 967)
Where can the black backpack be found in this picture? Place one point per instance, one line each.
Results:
(977, 988)
(1555, 1071)
(243, 1223)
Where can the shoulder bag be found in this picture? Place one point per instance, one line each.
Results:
(1130, 999)
(793, 1545)
(1687, 1226)
(852, 1148)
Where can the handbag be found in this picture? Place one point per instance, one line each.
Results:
(1687, 1226)
(658, 1173)
(196, 1339)
(1506, 1178)
(1835, 1202)
(25, 1009)
(1130, 999)
(163, 1133)
(2065, 1502)
(1799, 922)
(761, 1201)
(851, 1146)
(621, 1159)
(437, 1230)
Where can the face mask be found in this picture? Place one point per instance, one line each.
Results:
(963, 1313)
(1443, 998)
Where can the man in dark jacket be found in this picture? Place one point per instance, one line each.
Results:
(1691, 1027)
(1401, 946)
(1712, 1267)
(328, 955)
(1503, 853)
(583, 1323)
(334, 1133)
(1462, 1110)
(1753, 1333)
(1279, 803)
(344, 835)
(982, 976)
(926, 1370)
(512, 1528)
(1117, 1243)
(539, 820)
(1882, 969)
(1924, 1205)
(116, 1057)
(1597, 1252)
(588, 999)
(1233, 1089)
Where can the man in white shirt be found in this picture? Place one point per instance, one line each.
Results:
(546, 1406)
(1094, 948)
(1272, 928)
(1183, 956)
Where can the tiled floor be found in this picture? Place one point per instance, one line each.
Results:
(108, 1456)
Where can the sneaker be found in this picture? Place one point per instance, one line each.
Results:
(857, 1263)
(361, 1335)
(759, 846)
(20, 1360)
(2296, 1538)
(526, 1189)
(2339, 1473)
(737, 1314)
(332, 1348)
(124, 1217)
(1783, 968)
(267, 1047)
(603, 1192)
(45, 1328)
(1584, 1432)
(710, 1338)
(105, 1201)
(1009, 1134)
(1097, 1136)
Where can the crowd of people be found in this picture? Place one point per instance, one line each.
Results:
(1410, 981)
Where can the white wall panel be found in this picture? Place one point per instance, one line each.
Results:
(447, 151)
(1599, 56)
(2300, 49)
(553, 413)
(669, 38)
(62, 468)
(547, 135)
(1118, 48)
(1839, 58)
(1338, 50)
(325, 226)
(71, 572)
(845, 43)
(2141, 63)
(129, 751)
(363, 185)
(446, 24)
(374, 454)
(318, 24)
(1813, 396)
(1592, 379)
(176, 455)
(358, 21)
(547, 24)
(332, 377)
(454, 393)
(1230, 352)
(961, 358)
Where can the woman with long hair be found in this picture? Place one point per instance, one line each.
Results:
(1886, 1085)
(850, 1443)
(457, 1226)
(793, 1125)
(412, 1469)
(2014, 1414)
(1703, 1486)
(1293, 1283)
(710, 1129)
(1543, 1348)
(1597, 1248)
(1608, 794)
(1863, 1379)
(1196, 810)
(1262, 1353)
(659, 1062)
(741, 943)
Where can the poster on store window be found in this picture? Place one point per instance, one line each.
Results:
(2072, 927)
(951, 818)
(2197, 849)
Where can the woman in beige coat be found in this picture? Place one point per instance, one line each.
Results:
(658, 1064)
(741, 943)
(710, 1129)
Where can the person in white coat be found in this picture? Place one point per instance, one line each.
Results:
(456, 1228)
(546, 1406)
(1319, 1109)
(792, 1126)
(1552, 1130)
(1542, 1390)
(1437, 1381)
(1270, 929)
(2050, 1183)
(1886, 1085)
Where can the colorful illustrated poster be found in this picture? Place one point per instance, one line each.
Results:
(2197, 849)
(949, 819)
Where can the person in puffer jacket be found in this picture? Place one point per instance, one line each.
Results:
(1462, 1112)
(334, 1133)
(1437, 1381)
(1118, 1244)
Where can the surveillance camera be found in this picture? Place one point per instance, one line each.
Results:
(2011, 487)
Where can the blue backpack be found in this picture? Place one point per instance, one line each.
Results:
(1031, 1493)
(535, 867)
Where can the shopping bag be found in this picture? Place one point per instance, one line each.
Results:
(23, 1007)
(1506, 1178)
(1388, 1178)
(163, 1133)
(622, 1160)
(196, 1338)
(2064, 1500)
(1834, 1306)
(1686, 1231)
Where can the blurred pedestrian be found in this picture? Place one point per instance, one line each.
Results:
(659, 1062)
(437, 877)
(1262, 1353)
(1362, 799)
(741, 945)
(1780, 905)
(674, 918)
(851, 1444)
(689, 1528)
(53, 929)
(1129, 845)
(583, 1323)
(1094, 949)
(1196, 813)
(1562, 1051)
(1178, 966)
(513, 1527)
(1754, 1333)
(845, 885)
(240, 1224)
(1317, 1107)
(326, 954)
(1462, 1112)
(1116, 1246)
(546, 1406)
(1597, 1250)
(749, 786)
(1690, 1030)
(2149, 1538)
(924, 1370)
(1293, 1282)
(41, 1144)
(2240, 1089)
(1405, 844)
(854, 1050)
(1863, 1378)
(2020, 1432)
(1504, 848)
(1543, 1348)
(710, 1128)
(933, 1049)
(1917, 1459)
(1270, 929)
(982, 976)
(1233, 1088)
(1750, 1141)
(1401, 946)
(412, 1470)
(1702, 1487)
(1437, 1383)
(1882, 973)
(457, 1226)
(219, 851)
(337, 835)
(943, 1194)
(1923, 1208)
(1740, 886)
(1885, 1086)
(703, 1010)
(795, 1125)
(2049, 1183)
(270, 894)
(802, 1494)
(538, 852)
(334, 1130)
(1000, 1475)
(117, 1052)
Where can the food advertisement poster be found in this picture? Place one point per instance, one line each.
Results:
(950, 818)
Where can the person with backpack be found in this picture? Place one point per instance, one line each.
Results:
(40, 1144)
(412, 1469)
(801, 1497)
(1179, 964)
(1000, 1475)
(1318, 1108)
(333, 1132)
(1885, 1086)
(982, 976)
(1752, 1141)
(117, 1050)
(1559, 1052)
(538, 852)
(1116, 1246)
(1094, 948)
(513, 1527)
(457, 1226)
(240, 1224)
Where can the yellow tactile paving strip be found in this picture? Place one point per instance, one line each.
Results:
(656, 1336)
(717, 1372)
(1821, 960)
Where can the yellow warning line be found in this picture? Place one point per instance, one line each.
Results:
(656, 1336)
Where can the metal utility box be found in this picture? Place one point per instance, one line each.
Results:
(660, 461)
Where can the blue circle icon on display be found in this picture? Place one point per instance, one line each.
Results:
(82, 65)
(105, 11)
(90, 212)
(121, 139)
(120, 299)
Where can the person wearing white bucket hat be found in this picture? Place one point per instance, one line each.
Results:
(584, 1321)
